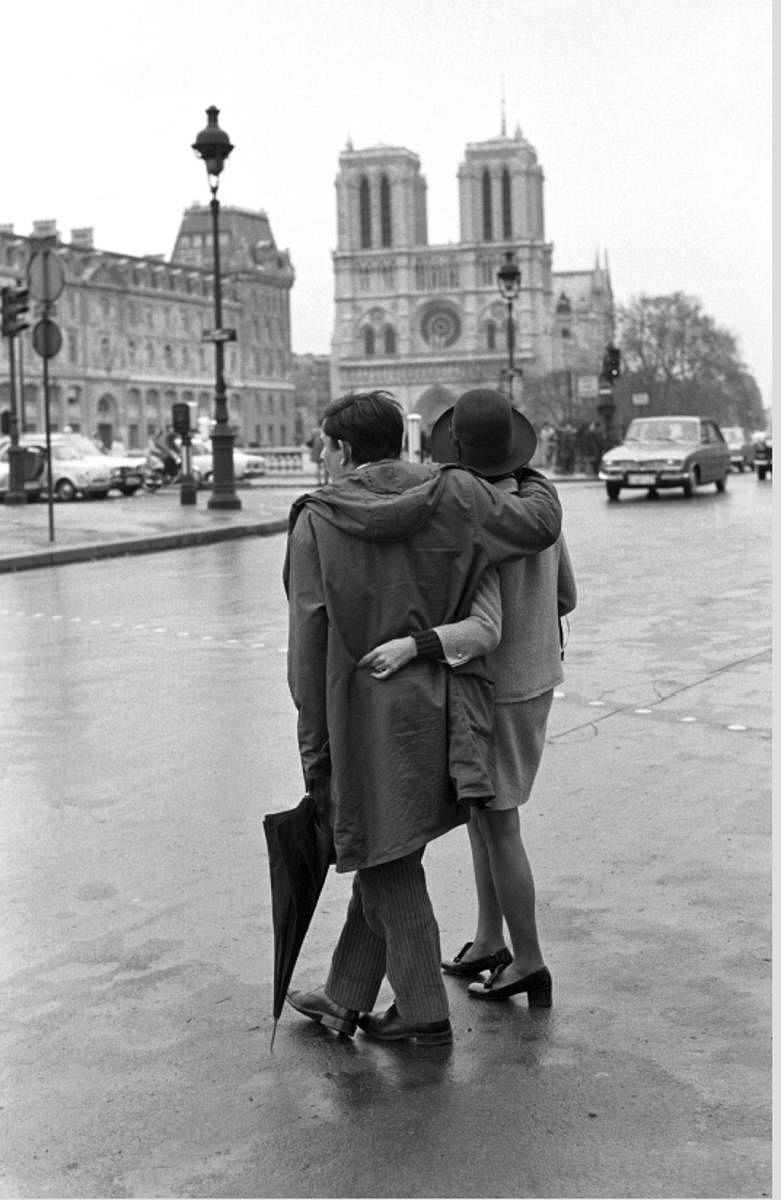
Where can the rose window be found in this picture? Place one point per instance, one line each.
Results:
(440, 326)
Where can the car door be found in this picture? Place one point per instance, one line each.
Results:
(717, 450)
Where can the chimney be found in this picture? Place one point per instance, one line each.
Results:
(45, 230)
(84, 238)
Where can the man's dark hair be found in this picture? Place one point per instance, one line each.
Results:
(372, 423)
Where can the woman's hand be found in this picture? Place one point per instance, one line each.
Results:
(384, 660)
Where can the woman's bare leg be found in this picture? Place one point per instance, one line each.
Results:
(512, 885)
(489, 934)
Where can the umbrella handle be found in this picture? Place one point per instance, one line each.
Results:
(273, 1035)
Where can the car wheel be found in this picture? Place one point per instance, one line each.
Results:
(761, 472)
(692, 480)
(721, 484)
(207, 479)
(653, 494)
(65, 490)
(613, 490)
(129, 491)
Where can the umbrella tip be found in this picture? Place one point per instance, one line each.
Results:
(273, 1035)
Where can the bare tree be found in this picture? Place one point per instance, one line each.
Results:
(684, 362)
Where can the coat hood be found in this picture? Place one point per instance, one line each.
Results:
(380, 502)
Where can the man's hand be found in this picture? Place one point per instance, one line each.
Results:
(319, 788)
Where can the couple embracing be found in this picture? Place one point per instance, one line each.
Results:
(423, 651)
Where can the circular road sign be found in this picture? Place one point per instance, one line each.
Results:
(45, 276)
(47, 339)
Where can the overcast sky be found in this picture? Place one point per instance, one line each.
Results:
(651, 119)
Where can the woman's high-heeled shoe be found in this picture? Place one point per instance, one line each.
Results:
(470, 970)
(538, 987)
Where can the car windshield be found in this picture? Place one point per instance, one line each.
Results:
(658, 430)
(64, 453)
(84, 445)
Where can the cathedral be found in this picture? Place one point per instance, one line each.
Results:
(427, 322)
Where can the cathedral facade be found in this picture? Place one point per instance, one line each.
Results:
(132, 331)
(427, 321)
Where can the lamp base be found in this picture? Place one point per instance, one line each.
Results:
(223, 502)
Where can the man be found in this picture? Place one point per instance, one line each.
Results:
(386, 548)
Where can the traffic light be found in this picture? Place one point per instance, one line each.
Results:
(180, 416)
(612, 364)
(15, 302)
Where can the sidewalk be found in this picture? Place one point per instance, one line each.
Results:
(111, 528)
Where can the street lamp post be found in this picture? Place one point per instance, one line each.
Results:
(509, 279)
(213, 145)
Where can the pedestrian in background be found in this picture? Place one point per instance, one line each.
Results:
(385, 547)
(537, 592)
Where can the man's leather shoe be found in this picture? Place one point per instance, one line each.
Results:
(390, 1027)
(318, 1007)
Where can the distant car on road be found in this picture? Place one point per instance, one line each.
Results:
(741, 448)
(33, 469)
(667, 452)
(245, 465)
(763, 455)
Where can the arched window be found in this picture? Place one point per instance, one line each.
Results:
(389, 339)
(366, 214)
(488, 224)
(507, 219)
(368, 341)
(385, 212)
(490, 335)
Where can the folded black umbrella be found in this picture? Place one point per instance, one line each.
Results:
(299, 850)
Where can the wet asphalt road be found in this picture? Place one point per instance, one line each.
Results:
(147, 729)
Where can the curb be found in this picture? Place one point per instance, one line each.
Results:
(146, 544)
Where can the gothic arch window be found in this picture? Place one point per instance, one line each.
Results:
(385, 212)
(389, 339)
(507, 219)
(366, 214)
(488, 224)
(490, 335)
(368, 341)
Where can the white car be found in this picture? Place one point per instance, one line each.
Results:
(78, 469)
(34, 470)
(245, 466)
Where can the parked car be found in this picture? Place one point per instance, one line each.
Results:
(76, 470)
(741, 448)
(126, 472)
(763, 455)
(667, 452)
(245, 465)
(34, 469)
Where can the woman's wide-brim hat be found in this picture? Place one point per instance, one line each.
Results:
(483, 431)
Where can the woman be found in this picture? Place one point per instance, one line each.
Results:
(484, 433)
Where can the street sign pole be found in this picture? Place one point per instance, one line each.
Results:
(47, 418)
(15, 493)
(45, 280)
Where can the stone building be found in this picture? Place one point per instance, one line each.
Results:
(132, 329)
(312, 382)
(428, 322)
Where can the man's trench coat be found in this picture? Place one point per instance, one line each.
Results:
(390, 549)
